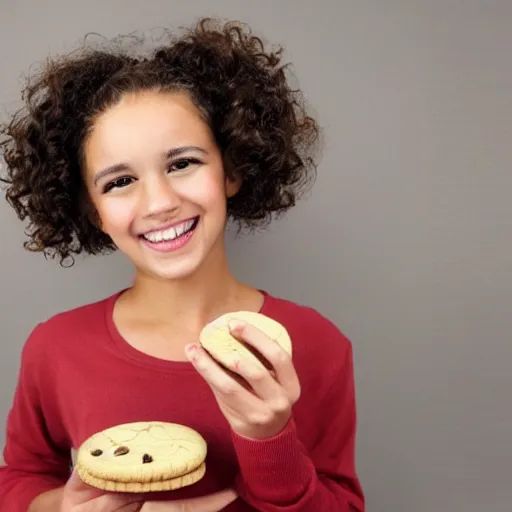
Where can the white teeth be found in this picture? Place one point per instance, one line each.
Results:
(171, 233)
(180, 229)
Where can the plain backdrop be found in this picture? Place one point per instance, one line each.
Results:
(404, 241)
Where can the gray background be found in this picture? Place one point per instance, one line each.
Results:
(404, 242)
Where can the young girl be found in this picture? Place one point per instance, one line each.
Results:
(152, 156)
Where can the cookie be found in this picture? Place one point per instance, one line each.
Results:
(142, 457)
(217, 340)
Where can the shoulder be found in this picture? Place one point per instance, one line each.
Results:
(62, 330)
(312, 333)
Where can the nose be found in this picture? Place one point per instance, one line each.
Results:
(158, 197)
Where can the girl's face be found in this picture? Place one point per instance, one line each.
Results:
(156, 179)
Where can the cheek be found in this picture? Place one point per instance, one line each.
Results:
(116, 213)
(206, 190)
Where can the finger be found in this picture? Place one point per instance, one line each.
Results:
(262, 383)
(250, 375)
(210, 503)
(127, 507)
(223, 385)
(280, 360)
(77, 492)
(113, 502)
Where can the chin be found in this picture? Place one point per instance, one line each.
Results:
(175, 271)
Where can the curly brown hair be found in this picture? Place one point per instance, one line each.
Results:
(259, 123)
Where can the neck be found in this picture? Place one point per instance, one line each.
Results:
(196, 299)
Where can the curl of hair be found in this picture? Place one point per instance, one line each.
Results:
(259, 123)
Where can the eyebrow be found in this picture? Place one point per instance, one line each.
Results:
(172, 153)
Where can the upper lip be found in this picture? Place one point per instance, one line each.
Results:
(169, 225)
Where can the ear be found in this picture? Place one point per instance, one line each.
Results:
(89, 211)
(233, 179)
(233, 185)
(95, 220)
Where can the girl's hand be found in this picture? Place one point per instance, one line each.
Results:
(260, 406)
(80, 497)
(211, 503)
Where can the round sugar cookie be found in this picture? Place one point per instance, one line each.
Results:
(142, 457)
(216, 338)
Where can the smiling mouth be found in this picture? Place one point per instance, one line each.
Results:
(172, 233)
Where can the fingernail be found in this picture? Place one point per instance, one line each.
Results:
(235, 325)
(191, 350)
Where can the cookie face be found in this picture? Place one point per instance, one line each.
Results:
(142, 457)
(218, 341)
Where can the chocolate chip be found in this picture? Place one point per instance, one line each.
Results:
(146, 458)
(96, 453)
(122, 450)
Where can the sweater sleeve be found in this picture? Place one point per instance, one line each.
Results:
(34, 463)
(279, 475)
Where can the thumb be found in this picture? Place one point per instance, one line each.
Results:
(80, 491)
(210, 503)
(77, 492)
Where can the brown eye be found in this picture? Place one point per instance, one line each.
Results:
(118, 183)
(96, 453)
(182, 165)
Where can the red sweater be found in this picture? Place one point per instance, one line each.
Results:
(79, 376)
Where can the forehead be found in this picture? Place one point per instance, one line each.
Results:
(146, 122)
